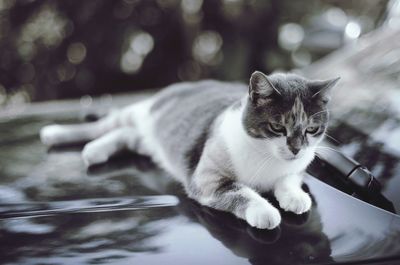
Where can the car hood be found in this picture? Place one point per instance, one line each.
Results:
(52, 210)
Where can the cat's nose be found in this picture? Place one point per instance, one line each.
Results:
(294, 144)
(294, 150)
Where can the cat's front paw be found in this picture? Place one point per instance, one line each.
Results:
(92, 154)
(263, 216)
(297, 202)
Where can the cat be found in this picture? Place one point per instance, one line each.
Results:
(225, 142)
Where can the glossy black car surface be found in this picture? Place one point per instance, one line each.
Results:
(53, 211)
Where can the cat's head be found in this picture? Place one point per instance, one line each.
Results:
(288, 111)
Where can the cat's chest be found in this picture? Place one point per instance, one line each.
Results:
(262, 170)
(251, 159)
(251, 168)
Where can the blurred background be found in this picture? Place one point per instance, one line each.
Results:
(69, 49)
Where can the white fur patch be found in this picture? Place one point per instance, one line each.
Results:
(262, 215)
(101, 149)
(298, 202)
(52, 134)
(290, 196)
(257, 162)
(149, 144)
(93, 154)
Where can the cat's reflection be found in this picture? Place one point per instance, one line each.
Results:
(299, 239)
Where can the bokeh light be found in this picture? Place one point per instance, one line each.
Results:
(207, 47)
(66, 71)
(141, 44)
(352, 30)
(47, 26)
(76, 52)
(290, 36)
(131, 62)
(191, 6)
(336, 17)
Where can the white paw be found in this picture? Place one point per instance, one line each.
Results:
(297, 202)
(263, 216)
(93, 154)
(52, 134)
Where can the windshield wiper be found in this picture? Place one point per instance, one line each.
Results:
(349, 176)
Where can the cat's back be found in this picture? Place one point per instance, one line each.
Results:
(188, 107)
(188, 95)
(182, 115)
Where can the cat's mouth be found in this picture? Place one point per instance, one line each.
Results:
(290, 157)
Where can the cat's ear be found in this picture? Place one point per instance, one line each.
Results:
(322, 89)
(260, 87)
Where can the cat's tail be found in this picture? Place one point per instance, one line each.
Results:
(78, 133)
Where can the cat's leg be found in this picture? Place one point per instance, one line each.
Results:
(66, 134)
(291, 196)
(228, 195)
(101, 149)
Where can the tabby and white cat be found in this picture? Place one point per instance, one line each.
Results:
(224, 142)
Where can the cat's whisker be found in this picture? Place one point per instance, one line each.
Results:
(262, 166)
(322, 151)
(322, 111)
(326, 148)
(326, 110)
(331, 137)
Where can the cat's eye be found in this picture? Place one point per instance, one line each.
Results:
(277, 128)
(312, 129)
